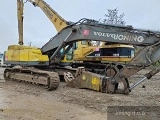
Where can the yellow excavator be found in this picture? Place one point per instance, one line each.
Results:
(20, 54)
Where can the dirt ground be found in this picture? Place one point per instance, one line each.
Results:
(21, 101)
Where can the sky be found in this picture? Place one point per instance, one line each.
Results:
(38, 29)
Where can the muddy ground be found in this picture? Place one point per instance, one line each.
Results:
(21, 101)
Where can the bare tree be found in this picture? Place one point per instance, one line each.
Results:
(113, 18)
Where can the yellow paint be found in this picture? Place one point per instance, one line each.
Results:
(25, 53)
(95, 81)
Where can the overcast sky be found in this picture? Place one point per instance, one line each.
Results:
(38, 29)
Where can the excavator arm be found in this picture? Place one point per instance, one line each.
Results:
(53, 16)
(20, 6)
(87, 30)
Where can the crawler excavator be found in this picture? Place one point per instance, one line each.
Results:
(50, 55)
(28, 56)
(149, 40)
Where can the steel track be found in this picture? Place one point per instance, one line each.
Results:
(34, 76)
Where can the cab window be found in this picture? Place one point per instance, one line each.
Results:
(83, 42)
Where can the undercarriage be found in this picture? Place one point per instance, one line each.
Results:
(50, 80)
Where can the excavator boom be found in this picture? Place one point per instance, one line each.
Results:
(101, 32)
(53, 16)
(20, 6)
